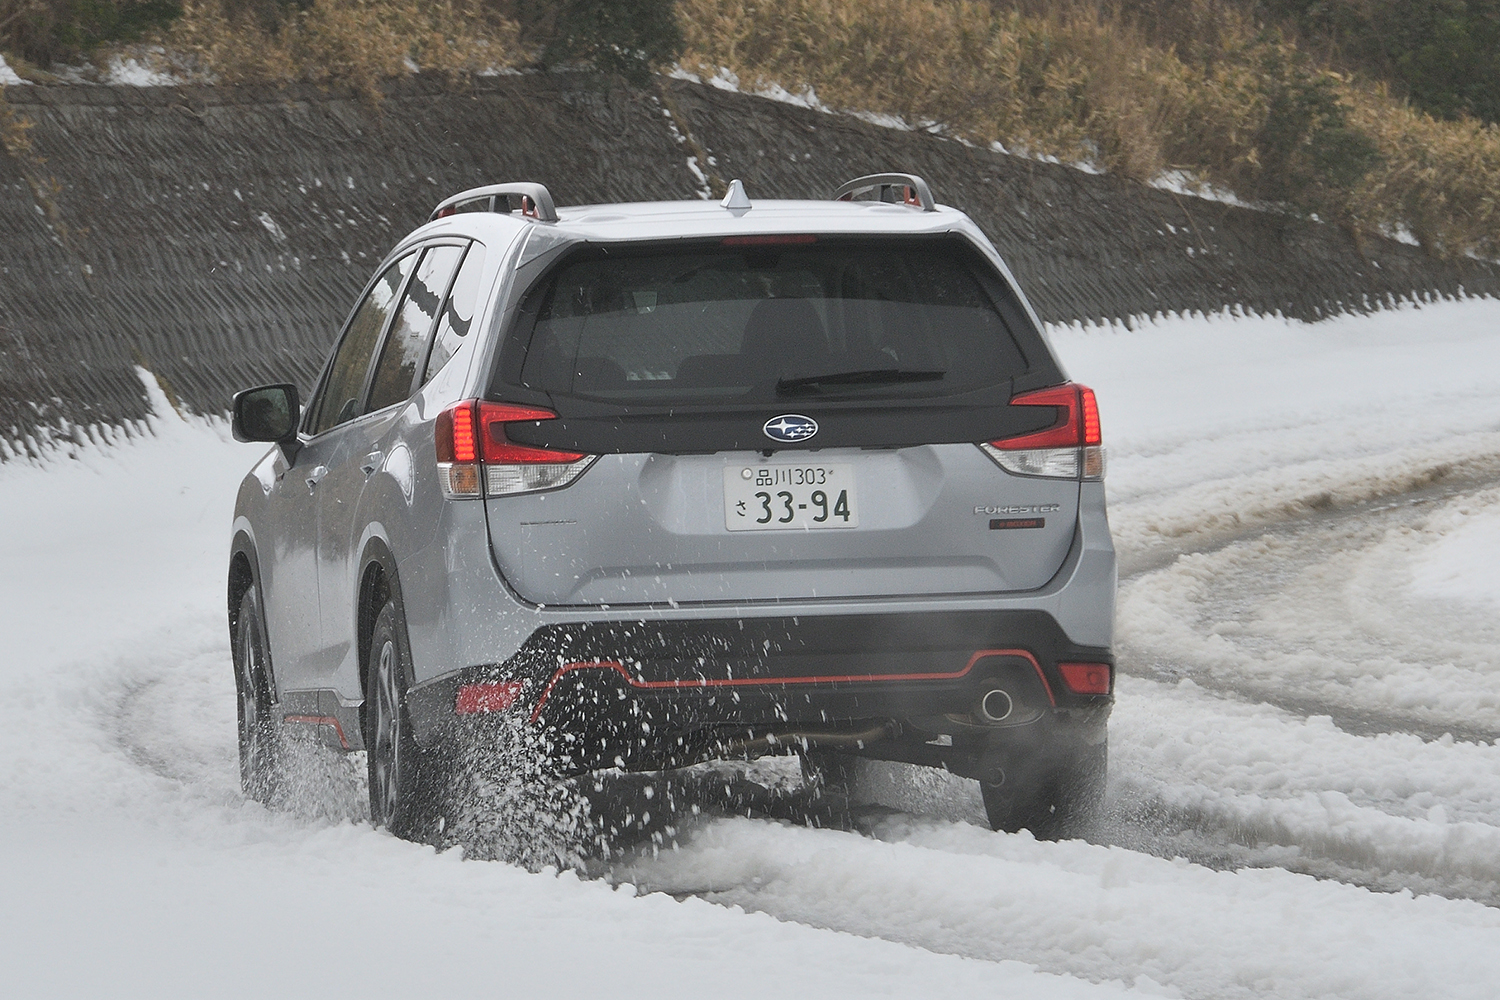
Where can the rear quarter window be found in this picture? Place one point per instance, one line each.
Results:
(458, 312)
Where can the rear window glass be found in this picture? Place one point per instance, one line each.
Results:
(769, 322)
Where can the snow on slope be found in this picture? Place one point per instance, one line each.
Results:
(133, 865)
(8, 76)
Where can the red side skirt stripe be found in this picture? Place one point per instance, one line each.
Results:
(320, 720)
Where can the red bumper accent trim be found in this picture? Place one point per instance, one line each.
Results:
(497, 696)
(320, 720)
(1087, 678)
(639, 684)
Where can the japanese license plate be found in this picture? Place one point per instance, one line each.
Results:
(768, 497)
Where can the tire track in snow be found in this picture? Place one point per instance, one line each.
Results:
(1233, 784)
(1100, 913)
(1297, 705)
(1318, 618)
(173, 716)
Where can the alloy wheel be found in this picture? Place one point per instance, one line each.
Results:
(257, 728)
(385, 751)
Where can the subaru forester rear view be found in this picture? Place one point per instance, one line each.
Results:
(669, 482)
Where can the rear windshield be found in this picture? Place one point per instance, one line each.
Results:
(867, 319)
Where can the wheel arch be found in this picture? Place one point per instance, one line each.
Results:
(379, 582)
(244, 573)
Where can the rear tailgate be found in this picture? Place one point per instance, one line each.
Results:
(635, 529)
(778, 423)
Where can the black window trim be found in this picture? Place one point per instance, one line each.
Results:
(315, 401)
(385, 332)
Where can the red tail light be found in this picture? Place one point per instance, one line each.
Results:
(1091, 431)
(1070, 447)
(472, 445)
(455, 434)
(499, 449)
(1086, 678)
(1077, 418)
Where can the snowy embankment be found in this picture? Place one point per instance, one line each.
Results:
(1332, 488)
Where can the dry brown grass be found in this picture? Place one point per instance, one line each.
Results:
(1076, 84)
(1228, 103)
(14, 129)
(1438, 179)
(354, 43)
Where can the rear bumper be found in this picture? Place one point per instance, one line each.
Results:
(649, 694)
(460, 610)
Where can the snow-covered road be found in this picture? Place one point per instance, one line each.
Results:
(1309, 519)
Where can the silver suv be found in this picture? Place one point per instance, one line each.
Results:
(675, 481)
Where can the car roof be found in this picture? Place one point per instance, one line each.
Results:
(644, 220)
(634, 221)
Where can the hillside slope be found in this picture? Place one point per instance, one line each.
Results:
(217, 236)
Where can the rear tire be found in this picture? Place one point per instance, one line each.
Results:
(259, 735)
(402, 776)
(1057, 804)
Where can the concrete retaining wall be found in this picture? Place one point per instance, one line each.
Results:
(218, 236)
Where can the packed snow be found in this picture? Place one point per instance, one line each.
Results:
(1462, 565)
(1305, 784)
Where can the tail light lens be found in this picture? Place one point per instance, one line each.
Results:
(1071, 448)
(475, 458)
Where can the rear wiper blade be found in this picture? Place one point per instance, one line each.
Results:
(870, 376)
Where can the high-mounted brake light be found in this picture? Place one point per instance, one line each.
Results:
(769, 240)
(475, 457)
(1070, 448)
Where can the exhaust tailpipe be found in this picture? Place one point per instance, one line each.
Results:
(995, 706)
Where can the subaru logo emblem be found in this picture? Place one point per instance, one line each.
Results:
(790, 427)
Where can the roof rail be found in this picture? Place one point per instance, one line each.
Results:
(536, 201)
(914, 190)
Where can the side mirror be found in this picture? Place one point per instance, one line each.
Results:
(267, 413)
